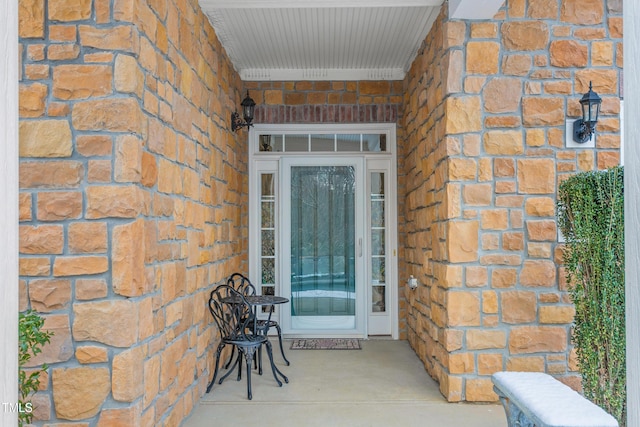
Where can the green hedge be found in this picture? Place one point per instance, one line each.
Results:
(591, 217)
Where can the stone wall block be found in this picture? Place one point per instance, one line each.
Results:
(605, 81)
(44, 239)
(462, 115)
(462, 241)
(79, 393)
(119, 38)
(34, 266)
(540, 206)
(537, 339)
(33, 100)
(79, 81)
(543, 111)
(88, 289)
(482, 57)
(503, 143)
(117, 417)
(526, 364)
(113, 322)
(59, 205)
(483, 339)
(128, 375)
(477, 194)
(31, 19)
(128, 166)
(116, 115)
(542, 230)
(543, 9)
(557, 314)
(516, 65)
(502, 95)
(79, 265)
(88, 354)
(127, 257)
(49, 295)
(455, 72)
(45, 138)
(538, 273)
(114, 202)
(128, 77)
(65, 10)
(525, 35)
(87, 237)
(536, 176)
(518, 306)
(480, 390)
(582, 12)
(463, 308)
(60, 348)
(568, 53)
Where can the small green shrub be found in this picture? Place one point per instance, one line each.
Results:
(591, 217)
(30, 342)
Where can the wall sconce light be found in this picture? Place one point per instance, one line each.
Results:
(585, 127)
(248, 107)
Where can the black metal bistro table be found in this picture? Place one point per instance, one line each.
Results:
(259, 301)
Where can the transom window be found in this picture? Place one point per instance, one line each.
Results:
(311, 142)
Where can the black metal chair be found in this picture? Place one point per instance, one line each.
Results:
(233, 316)
(243, 285)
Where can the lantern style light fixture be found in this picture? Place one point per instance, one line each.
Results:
(585, 127)
(248, 107)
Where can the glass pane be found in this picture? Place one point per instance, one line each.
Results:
(268, 243)
(323, 246)
(374, 142)
(377, 242)
(268, 290)
(270, 143)
(377, 270)
(267, 185)
(268, 214)
(349, 142)
(268, 271)
(378, 300)
(323, 142)
(296, 143)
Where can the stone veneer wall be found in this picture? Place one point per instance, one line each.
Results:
(485, 110)
(133, 203)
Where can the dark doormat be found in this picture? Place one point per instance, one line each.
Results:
(325, 344)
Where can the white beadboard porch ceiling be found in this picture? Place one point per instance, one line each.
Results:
(321, 39)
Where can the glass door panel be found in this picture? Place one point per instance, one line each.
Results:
(325, 262)
(323, 282)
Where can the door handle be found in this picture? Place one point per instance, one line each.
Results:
(360, 247)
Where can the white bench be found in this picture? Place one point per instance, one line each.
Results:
(533, 399)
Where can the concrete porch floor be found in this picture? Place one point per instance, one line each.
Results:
(384, 384)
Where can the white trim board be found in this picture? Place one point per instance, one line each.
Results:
(9, 216)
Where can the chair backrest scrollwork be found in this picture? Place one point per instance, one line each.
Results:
(231, 312)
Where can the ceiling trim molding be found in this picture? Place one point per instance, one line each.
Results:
(297, 4)
(474, 9)
(321, 74)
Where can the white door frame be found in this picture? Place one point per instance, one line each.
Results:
(269, 162)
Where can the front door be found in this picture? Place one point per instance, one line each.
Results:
(323, 227)
(323, 245)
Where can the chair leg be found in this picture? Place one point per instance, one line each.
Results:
(249, 358)
(274, 369)
(281, 347)
(233, 353)
(215, 372)
(237, 362)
